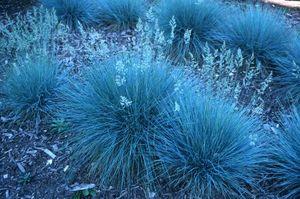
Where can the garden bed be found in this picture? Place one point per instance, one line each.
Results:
(139, 103)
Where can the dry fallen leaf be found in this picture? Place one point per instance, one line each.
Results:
(80, 187)
(48, 152)
(20, 166)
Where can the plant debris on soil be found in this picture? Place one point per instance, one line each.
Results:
(35, 165)
(14, 7)
(31, 166)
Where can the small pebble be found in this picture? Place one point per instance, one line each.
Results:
(49, 162)
(20, 166)
(55, 147)
(152, 194)
(6, 194)
(66, 168)
(4, 119)
(9, 135)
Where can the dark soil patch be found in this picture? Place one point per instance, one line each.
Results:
(25, 169)
(15, 7)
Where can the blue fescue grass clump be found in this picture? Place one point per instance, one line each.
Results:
(285, 153)
(194, 22)
(30, 89)
(289, 78)
(115, 118)
(212, 151)
(260, 32)
(75, 12)
(121, 14)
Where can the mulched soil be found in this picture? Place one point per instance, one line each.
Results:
(26, 170)
(14, 7)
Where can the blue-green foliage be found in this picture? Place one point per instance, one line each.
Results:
(73, 12)
(30, 90)
(121, 14)
(116, 118)
(257, 31)
(212, 151)
(289, 78)
(285, 167)
(198, 17)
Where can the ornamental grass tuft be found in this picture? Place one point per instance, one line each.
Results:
(121, 14)
(116, 118)
(30, 90)
(190, 24)
(289, 78)
(259, 32)
(75, 12)
(284, 167)
(212, 151)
